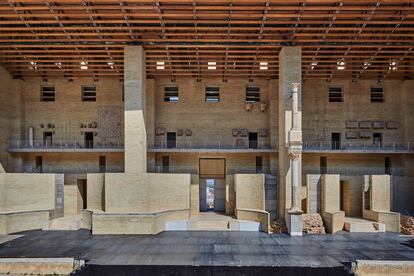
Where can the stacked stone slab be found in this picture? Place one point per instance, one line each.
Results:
(313, 224)
(407, 225)
(278, 226)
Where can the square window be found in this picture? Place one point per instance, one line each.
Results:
(89, 93)
(171, 94)
(252, 94)
(47, 93)
(212, 94)
(377, 95)
(335, 94)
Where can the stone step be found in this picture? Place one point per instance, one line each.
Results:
(364, 227)
(209, 225)
(65, 223)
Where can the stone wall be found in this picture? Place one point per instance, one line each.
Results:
(313, 224)
(140, 193)
(27, 192)
(210, 122)
(11, 116)
(407, 225)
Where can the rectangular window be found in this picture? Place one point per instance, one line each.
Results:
(171, 94)
(212, 94)
(89, 93)
(335, 94)
(252, 94)
(377, 95)
(48, 93)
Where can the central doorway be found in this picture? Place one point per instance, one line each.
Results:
(212, 189)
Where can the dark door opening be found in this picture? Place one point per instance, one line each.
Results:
(259, 164)
(88, 140)
(165, 164)
(171, 140)
(253, 140)
(82, 203)
(388, 165)
(336, 141)
(38, 164)
(210, 194)
(377, 139)
(47, 138)
(102, 164)
(212, 189)
(323, 165)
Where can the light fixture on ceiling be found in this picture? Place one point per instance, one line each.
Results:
(341, 65)
(366, 64)
(111, 64)
(33, 65)
(263, 65)
(393, 65)
(58, 64)
(160, 65)
(211, 65)
(83, 65)
(313, 65)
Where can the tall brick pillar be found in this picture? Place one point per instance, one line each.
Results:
(134, 102)
(290, 138)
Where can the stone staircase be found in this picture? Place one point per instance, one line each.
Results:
(363, 226)
(211, 221)
(65, 223)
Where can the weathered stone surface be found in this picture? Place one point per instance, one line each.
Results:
(407, 225)
(313, 224)
(278, 226)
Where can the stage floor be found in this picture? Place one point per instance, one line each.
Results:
(211, 248)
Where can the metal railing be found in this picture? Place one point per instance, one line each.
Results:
(73, 170)
(194, 169)
(64, 144)
(352, 171)
(358, 146)
(212, 144)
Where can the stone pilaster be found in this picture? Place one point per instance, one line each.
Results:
(290, 72)
(135, 102)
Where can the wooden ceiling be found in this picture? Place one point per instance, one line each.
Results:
(340, 39)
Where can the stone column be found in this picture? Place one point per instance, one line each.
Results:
(295, 148)
(290, 137)
(134, 101)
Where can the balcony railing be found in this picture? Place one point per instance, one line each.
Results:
(357, 146)
(72, 170)
(217, 144)
(214, 144)
(194, 169)
(63, 145)
(353, 171)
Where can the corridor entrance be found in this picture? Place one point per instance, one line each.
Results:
(212, 191)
